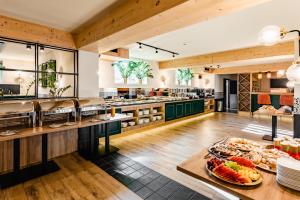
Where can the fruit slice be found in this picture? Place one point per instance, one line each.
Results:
(242, 161)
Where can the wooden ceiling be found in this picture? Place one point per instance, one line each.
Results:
(124, 22)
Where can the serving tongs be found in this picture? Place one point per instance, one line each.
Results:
(210, 152)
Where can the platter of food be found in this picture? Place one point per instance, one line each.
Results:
(235, 170)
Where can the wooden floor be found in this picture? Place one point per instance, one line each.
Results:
(160, 149)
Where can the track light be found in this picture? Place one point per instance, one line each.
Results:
(42, 49)
(157, 48)
(140, 46)
(156, 51)
(173, 55)
(28, 47)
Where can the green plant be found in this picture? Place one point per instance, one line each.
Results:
(185, 74)
(29, 86)
(141, 70)
(58, 92)
(125, 68)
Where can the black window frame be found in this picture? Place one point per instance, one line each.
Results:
(36, 71)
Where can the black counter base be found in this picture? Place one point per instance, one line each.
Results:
(26, 174)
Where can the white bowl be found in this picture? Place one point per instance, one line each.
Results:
(154, 118)
(129, 114)
(158, 117)
(140, 113)
(146, 112)
(146, 120)
(124, 124)
(141, 121)
(131, 123)
(154, 111)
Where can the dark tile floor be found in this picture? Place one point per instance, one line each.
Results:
(145, 182)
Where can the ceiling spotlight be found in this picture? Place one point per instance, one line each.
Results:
(269, 75)
(156, 51)
(28, 47)
(173, 55)
(140, 46)
(42, 49)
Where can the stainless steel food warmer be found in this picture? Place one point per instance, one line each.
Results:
(56, 110)
(88, 107)
(17, 113)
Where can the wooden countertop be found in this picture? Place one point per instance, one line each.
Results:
(273, 93)
(269, 189)
(28, 132)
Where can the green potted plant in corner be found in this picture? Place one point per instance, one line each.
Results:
(141, 70)
(125, 68)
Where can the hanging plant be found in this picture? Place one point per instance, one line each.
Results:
(125, 68)
(141, 70)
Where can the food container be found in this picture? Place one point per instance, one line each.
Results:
(124, 124)
(293, 150)
(154, 118)
(146, 112)
(154, 111)
(146, 120)
(285, 146)
(277, 143)
(131, 123)
(129, 114)
(140, 113)
(141, 121)
(158, 117)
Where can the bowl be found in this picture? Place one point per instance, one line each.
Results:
(131, 123)
(146, 112)
(124, 124)
(129, 114)
(141, 121)
(154, 111)
(140, 113)
(154, 118)
(158, 117)
(146, 120)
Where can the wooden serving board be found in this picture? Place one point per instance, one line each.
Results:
(268, 189)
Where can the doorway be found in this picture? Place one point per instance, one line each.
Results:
(230, 95)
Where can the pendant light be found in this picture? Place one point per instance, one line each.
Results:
(280, 73)
(259, 75)
(271, 35)
(269, 75)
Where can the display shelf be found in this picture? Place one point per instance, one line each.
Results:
(209, 105)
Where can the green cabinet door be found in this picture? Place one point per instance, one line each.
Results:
(170, 113)
(180, 110)
(113, 128)
(188, 108)
(275, 101)
(201, 105)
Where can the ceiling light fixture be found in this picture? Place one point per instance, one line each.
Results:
(280, 73)
(269, 75)
(271, 35)
(259, 75)
(28, 47)
(42, 49)
(157, 49)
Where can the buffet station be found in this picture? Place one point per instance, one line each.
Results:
(248, 169)
(34, 132)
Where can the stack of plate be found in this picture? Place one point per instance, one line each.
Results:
(288, 173)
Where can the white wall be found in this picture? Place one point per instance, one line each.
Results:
(88, 74)
(107, 80)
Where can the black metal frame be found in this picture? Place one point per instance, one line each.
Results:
(36, 70)
(157, 48)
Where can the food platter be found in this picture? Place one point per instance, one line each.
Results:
(241, 175)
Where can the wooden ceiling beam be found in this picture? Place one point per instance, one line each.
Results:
(286, 48)
(27, 31)
(127, 22)
(272, 67)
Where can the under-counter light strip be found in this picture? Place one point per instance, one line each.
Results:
(157, 48)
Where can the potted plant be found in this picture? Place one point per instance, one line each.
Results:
(187, 75)
(125, 68)
(179, 76)
(141, 70)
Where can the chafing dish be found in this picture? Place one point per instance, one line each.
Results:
(91, 106)
(54, 110)
(17, 113)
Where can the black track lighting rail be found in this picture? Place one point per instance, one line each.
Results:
(157, 48)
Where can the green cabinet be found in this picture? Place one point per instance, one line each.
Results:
(112, 127)
(180, 110)
(185, 108)
(188, 108)
(170, 113)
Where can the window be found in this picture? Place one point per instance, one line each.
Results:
(30, 70)
(122, 69)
